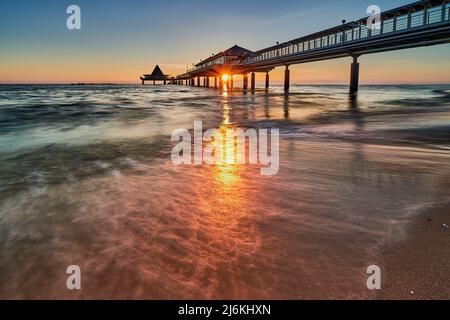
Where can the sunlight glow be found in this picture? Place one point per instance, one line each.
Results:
(225, 77)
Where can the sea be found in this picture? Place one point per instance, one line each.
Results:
(87, 180)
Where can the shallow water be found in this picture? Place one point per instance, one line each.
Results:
(87, 179)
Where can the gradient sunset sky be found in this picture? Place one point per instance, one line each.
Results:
(120, 40)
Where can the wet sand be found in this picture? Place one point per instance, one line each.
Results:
(417, 267)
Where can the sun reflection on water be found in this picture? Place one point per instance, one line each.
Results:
(228, 187)
(226, 115)
(225, 90)
(228, 168)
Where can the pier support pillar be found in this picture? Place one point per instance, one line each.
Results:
(287, 79)
(231, 82)
(215, 82)
(198, 81)
(245, 81)
(354, 75)
(154, 82)
(253, 81)
(207, 82)
(143, 82)
(267, 80)
(220, 83)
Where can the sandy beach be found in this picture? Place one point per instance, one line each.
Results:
(417, 267)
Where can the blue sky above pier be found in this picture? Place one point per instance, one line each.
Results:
(121, 39)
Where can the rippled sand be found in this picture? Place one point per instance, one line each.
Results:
(87, 180)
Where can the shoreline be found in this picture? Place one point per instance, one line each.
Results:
(417, 266)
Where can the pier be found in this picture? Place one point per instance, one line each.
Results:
(423, 23)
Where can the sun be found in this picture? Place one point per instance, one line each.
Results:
(225, 77)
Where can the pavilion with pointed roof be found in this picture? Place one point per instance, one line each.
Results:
(156, 75)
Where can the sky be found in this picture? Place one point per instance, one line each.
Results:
(120, 40)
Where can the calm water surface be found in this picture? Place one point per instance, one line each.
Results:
(86, 179)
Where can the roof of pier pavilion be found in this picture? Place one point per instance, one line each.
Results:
(225, 62)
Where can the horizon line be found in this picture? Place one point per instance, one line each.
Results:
(275, 84)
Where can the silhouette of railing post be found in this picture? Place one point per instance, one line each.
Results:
(245, 81)
(287, 75)
(253, 80)
(354, 75)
